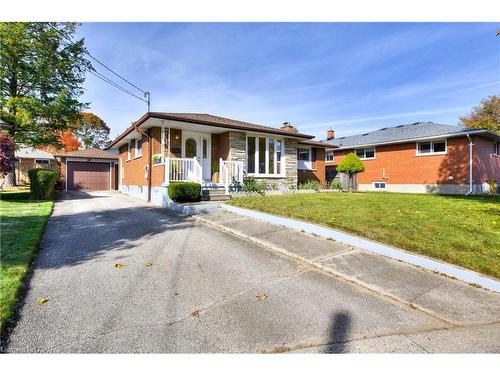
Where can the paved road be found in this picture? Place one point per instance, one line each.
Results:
(199, 293)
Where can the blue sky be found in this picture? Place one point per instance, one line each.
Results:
(353, 77)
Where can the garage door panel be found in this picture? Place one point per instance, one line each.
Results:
(88, 176)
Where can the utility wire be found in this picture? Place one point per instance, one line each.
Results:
(109, 81)
(114, 84)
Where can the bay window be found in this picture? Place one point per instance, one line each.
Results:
(264, 155)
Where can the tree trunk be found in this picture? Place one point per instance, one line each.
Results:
(350, 183)
(10, 178)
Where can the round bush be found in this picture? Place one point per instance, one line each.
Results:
(42, 182)
(184, 191)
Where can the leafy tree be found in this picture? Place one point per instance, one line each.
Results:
(6, 149)
(91, 130)
(486, 115)
(41, 76)
(67, 141)
(351, 165)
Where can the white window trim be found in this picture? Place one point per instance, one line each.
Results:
(129, 154)
(498, 149)
(432, 147)
(379, 182)
(304, 165)
(364, 152)
(256, 156)
(136, 150)
(326, 156)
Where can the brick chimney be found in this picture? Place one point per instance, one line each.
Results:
(287, 127)
(330, 134)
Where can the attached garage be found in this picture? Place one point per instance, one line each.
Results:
(86, 170)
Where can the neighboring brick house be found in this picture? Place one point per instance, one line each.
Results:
(217, 152)
(90, 169)
(419, 158)
(27, 158)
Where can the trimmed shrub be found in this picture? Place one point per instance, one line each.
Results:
(309, 185)
(251, 185)
(42, 182)
(184, 191)
(336, 185)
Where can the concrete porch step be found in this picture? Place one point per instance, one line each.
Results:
(213, 192)
(217, 197)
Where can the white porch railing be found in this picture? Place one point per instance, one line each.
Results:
(183, 169)
(231, 172)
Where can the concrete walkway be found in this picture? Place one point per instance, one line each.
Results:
(453, 301)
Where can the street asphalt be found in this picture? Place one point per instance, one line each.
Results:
(121, 275)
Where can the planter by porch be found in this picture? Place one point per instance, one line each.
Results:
(215, 177)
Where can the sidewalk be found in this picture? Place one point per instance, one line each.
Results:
(452, 301)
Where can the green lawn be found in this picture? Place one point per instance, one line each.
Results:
(22, 222)
(456, 229)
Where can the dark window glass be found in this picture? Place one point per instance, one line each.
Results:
(369, 153)
(271, 155)
(329, 156)
(440, 146)
(262, 155)
(205, 144)
(278, 156)
(303, 154)
(360, 153)
(424, 147)
(251, 155)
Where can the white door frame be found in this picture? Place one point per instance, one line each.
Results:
(205, 163)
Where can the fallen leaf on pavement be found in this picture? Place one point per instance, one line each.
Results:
(261, 297)
(42, 301)
(148, 264)
(170, 323)
(119, 265)
(195, 313)
(176, 293)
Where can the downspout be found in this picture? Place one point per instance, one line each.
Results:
(470, 165)
(150, 158)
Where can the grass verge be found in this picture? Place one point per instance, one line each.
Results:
(22, 222)
(456, 229)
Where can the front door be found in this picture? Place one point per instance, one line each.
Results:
(198, 145)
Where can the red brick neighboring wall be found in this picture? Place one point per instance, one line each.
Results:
(486, 165)
(403, 166)
(134, 171)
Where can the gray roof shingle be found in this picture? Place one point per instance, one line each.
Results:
(399, 133)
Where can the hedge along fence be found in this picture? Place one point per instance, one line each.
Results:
(42, 182)
(184, 191)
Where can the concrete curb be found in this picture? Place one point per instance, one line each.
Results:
(459, 273)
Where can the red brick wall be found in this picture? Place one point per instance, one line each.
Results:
(403, 166)
(486, 165)
(134, 170)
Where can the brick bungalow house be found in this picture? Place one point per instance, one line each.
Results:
(419, 158)
(27, 158)
(215, 151)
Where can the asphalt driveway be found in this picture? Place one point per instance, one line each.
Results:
(188, 287)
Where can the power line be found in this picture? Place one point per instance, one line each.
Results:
(93, 71)
(114, 84)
